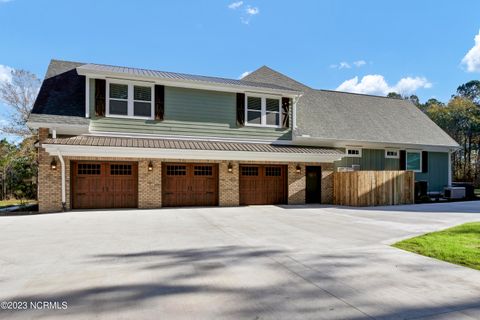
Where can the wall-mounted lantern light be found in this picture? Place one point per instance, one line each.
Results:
(298, 169)
(150, 166)
(230, 167)
(53, 164)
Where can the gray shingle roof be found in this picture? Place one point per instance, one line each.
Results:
(337, 115)
(63, 120)
(92, 67)
(100, 141)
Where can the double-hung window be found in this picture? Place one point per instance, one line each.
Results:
(129, 99)
(262, 111)
(414, 161)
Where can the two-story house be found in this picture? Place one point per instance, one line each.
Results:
(118, 137)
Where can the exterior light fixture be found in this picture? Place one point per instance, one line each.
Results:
(53, 164)
(150, 166)
(298, 169)
(230, 167)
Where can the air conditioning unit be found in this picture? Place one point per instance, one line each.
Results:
(344, 169)
(454, 192)
(355, 167)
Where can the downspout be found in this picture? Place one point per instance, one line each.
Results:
(64, 202)
(449, 168)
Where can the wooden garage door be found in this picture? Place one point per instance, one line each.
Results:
(263, 184)
(104, 185)
(192, 184)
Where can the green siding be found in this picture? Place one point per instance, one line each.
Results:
(191, 112)
(374, 159)
(437, 175)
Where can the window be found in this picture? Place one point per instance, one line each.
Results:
(249, 171)
(202, 170)
(392, 154)
(262, 111)
(176, 170)
(88, 169)
(120, 169)
(129, 99)
(354, 152)
(273, 171)
(414, 161)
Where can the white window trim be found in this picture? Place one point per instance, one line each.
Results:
(406, 160)
(263, 111)
(130, 100)
(392, 157)
(359, 155)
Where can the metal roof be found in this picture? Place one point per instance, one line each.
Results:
(155, 74)
(102, 141)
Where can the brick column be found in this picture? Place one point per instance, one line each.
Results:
(228, 184)
(327, 183)
(149, 185)
(296, 184)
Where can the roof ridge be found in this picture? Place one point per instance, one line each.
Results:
(361, 94)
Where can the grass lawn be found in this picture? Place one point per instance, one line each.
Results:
(12, 202)
(459, 245)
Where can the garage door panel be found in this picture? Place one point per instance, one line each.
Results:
(262, 184)
(190, 185)
(104, 185)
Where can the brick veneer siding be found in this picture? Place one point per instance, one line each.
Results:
(150, 182)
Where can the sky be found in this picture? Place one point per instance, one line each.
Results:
(424, 47)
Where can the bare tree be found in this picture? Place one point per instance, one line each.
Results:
(19, 94)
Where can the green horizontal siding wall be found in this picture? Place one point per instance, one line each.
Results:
(374, 159)
(437, 175)
(191, 112)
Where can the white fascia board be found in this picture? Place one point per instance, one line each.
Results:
(191, 84)
(99, 151)
(334, 143)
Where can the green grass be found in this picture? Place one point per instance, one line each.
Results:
(477, 192)
(13, 202)
(459, 245)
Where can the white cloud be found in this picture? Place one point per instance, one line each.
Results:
(344, 65)
(252, 11)
(246, 73)
(235, 5)
(472, 58)
(5, 1)
(359, 63)
(377, 85)
(5, 73)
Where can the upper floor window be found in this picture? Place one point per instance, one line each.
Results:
(129, 99)
(392, 154)
(354, 152)
(262, 111)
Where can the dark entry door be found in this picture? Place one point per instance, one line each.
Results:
(190, 184)
(263, 184)
(98, 185)
(314, 184)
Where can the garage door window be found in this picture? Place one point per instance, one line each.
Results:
(249, 171)
(203, 170)
(88, 169)
(176, 170)
(273, 171)
(121, 169)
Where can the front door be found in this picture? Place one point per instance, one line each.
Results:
(314, 184)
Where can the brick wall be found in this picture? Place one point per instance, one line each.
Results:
(228, 185)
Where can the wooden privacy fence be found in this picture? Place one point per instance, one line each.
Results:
(373, 188)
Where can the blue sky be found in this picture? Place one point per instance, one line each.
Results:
(325, 44)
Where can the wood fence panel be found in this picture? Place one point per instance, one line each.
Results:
(373, 188)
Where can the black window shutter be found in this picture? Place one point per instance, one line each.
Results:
(403, 159)
(159, 102)
(100, 85)
(286, 112)
(424, 161)
(240, 109)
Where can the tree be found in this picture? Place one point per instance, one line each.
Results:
(470, 90)
(394, 95)
(19, 94)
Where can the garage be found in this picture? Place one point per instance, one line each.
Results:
(98, 185)
(263, 184)
(189, 184)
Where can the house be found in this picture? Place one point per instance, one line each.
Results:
(118, 137)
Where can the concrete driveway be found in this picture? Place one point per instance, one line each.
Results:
(234, 263)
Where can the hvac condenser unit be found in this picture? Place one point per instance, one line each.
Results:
(454, 192)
